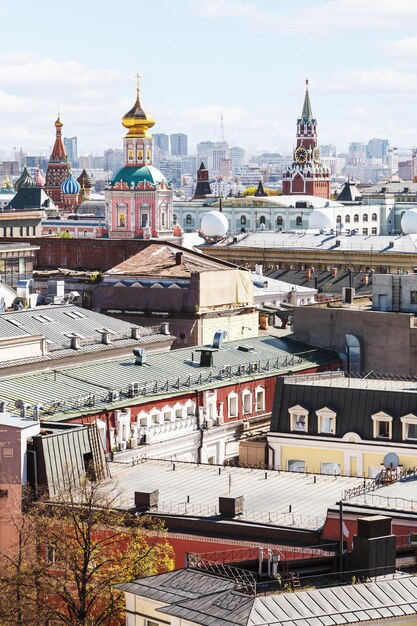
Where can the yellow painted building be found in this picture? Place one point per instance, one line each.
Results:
(332, 424)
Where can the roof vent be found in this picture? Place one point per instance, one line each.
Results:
(75, 342)
(391, 244)
(135, 332)
(206, 356)
(246, 348)
(140, 356)
(218, 338)
(231, 506)
(105, 337)
(147, 499)
(179, 258)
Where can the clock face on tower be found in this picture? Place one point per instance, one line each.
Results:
(316, 155)
(301, 155)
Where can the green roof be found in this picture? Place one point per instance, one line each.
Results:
(132, 174)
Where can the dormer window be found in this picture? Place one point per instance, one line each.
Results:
(382, 425)
(298, 419)
(409, 427)
(326, 421)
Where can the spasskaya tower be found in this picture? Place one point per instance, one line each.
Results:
(306, 175)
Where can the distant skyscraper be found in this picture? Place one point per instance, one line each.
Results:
(161, 141)
(378, 149)
(238, 156)
(179, 144)
(113, 159)
(357, 153)
(328, 150)
(70, 145)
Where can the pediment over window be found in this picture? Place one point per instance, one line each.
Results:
(299, 410)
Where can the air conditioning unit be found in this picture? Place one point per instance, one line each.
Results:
(122, 445)
(254, 367)
(133, 390)
(245, 426)
(242, 369)
(133, 442)
(114, 395)
(208, 423)
(220, 420)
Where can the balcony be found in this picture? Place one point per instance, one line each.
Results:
(156, 433)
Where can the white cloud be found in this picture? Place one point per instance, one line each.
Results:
(383, 81)
(210, 116)
(330, 17)
(406, 48)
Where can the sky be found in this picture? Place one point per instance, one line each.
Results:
(199, 59)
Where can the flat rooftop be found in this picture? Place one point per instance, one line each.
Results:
(400, 496)
(343, 381)
(268, 495)
(313, 240)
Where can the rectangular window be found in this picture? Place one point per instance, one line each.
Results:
(411, 431)
(327, 425)
(145, 218)
(300, 423)
(382, 429)
(260, 400)
(8, 453)
(295, 465)
(247, 403)
(233, 406)
(330, 468)
(413, 297)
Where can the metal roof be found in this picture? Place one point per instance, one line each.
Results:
(311, 240)
(268, 495)
(267, 285)
(88, 388)
(201, 598)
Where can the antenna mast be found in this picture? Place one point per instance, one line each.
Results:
(222, 127)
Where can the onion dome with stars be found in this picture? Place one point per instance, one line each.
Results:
(38, 178)
(24, 180)
(136, 120)
(70, 186)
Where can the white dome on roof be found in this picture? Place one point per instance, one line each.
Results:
(214, 224)
(409, 222)
(321, 219)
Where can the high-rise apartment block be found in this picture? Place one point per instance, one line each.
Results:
(70, 145)
(161, 141)
(113, 159)
(179, 144)
(378, 149)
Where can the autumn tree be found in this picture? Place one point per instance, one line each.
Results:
(85, 544)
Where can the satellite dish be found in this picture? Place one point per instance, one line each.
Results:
(391, 460)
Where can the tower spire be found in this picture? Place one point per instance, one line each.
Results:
(307, 113)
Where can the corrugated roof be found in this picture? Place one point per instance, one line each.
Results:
(266, 500)
(70, 391)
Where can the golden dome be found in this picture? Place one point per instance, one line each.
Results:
(136, 120)
(58, 123)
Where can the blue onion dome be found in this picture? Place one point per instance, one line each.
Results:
(70, 186)
(24, 180)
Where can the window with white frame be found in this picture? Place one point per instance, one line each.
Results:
(180, 411)
(330, 468)
(409, 427)
(247, 401)
(382, 425)
(326, 421)
(296, 465)
(232, 403)
(260, 398)
(298, 419)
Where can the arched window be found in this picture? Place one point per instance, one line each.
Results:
(174, 219)
(188, 219)
(347, 219)
(338, 219)
(365, 217)
(280, 221)
(243, 220)
(356, 218)
(50, 231)
(299, 220)
(262, 220)
(374, 217)
(85, 233)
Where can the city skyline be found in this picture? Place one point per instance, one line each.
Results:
(252, 72)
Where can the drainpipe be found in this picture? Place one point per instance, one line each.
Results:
(200, 428)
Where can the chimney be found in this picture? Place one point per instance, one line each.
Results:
(3, 406)
(135, 332)
(230, 506)
(165, 328)
(75, 342)
(105, 337)
(147, 499)
(179, 258)
(374, 547)
(140, 356)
